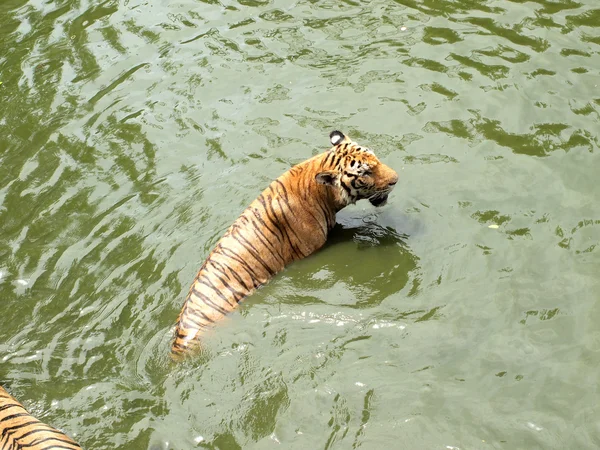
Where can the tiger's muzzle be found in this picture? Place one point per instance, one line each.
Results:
(379, 199)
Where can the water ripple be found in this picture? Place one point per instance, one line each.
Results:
(135, 132)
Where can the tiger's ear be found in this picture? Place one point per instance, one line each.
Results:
(328, 177)
(337, 137)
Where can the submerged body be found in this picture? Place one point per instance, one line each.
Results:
(20, 430)
(288, 221)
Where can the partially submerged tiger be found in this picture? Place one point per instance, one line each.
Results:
(288, 221)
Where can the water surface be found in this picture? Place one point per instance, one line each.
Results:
(134, 132)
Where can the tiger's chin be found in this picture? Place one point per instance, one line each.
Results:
(379, 200)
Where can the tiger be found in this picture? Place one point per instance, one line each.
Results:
(19, 430)
(288, 221)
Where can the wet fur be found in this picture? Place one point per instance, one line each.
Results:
(20, 430)
(288, 221)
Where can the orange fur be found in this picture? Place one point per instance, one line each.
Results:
(289, 220)
(20, 430)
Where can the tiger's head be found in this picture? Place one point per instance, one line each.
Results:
(355, 172)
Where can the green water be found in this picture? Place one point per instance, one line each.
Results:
(132, 133)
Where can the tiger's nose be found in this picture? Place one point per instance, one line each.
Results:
(393, 180)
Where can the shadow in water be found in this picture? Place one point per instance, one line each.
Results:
(362, 263)
(367, 234)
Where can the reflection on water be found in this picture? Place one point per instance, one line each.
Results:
(134, 133)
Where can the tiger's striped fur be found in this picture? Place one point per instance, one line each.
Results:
(288, 221)
(19, 430)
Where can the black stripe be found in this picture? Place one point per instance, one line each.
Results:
(225, 283)
(12, 405)
(287, 203)
(327, 162)
(208, 283)
(260, 219)
(224, 251)
(192, 322)
(187, 318)
(188, 336)
(296, 249)
(61, 438)
(318, 222)
(9, 431)
(346, 188)
(265, 241)
(285, 193)
(252, 250)
(14, 416)
(233, 273)
(207, 300)
(187, 322)
(193, 312)
(216, 266)
(283, 230)
(268, 214)
(237, 295)
(326, 215)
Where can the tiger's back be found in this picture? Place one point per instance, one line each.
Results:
(19, 430)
